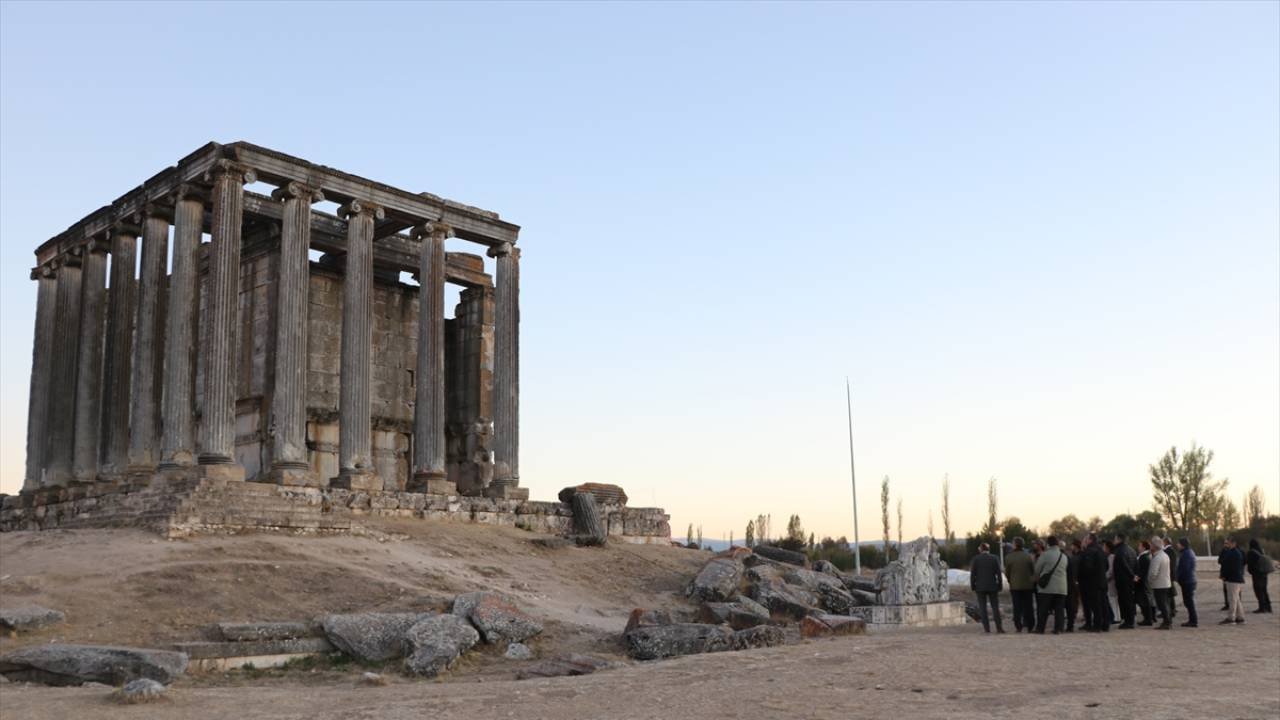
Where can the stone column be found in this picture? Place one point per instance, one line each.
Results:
(218, 422)
(62, 384)
(506, 375)
(41, 354)
(117, 372)
(177, 443)
(93, 295)
(288, 427)
(144, 436)
(429, 474)
(355, 409)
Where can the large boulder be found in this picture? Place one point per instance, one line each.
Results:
(79, 664)
(496, 617)
(778, 554)
(370, 637)
(436, 642)
(653, 642)
(740, 614)
(717, 581)
(32, 617)
(641, 616)
(605, 494)
(758, 637)
(783, 599)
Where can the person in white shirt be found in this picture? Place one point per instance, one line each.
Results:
(1159, 581)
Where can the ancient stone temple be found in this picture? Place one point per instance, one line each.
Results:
(187, 341)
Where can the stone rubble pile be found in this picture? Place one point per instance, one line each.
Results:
(746, 599)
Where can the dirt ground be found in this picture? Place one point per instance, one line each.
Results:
(133, 588)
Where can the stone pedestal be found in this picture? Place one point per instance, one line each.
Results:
(356, 480)
(506, 492)
(224, 472)
(432, 484)
(293, 475)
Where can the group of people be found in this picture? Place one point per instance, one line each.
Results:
(1109, 583)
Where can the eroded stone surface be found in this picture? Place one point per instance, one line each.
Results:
(496, 617)
(32, 617)
(917, 577)
(58, 664)
(436, 642)
(717, 581)
(653, 642)
(370, 637)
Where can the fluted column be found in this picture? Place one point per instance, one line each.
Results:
(288, 426)
(41, 354)
(62, 384)
(506, 374)
(429, 473)
(144, 436)
(177, 443)
(117, 373)
(221, 336)
(355, 408)
(88, 393)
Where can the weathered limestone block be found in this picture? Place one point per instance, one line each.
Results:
(496, 617)
(605, 494)
(780, 555)
(831, 593)
(641, 616)
(587, 525)
(244, 632)
(58, 664)
(654, 642)
(717, 581)
(371, 637)
(26, 619)
(740, 614)
(917, 577)
(758, 637)
(436, 642)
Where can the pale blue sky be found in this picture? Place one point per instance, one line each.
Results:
(1042, 239)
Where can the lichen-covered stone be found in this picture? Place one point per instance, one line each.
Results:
(717, 581)
(32, 617)
(58, 664)
(370, 637)
(653, 642)
(740, 614)
(496, 617)
(758, 637)
(142, 690)
(641, 616)
(436, 642)
(917, 577)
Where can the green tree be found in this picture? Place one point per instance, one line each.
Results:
(750, 539)
(1255, 506)
(1068, 527)
(992, 528)
(795, 538)
(1135, 527)
(1012, 527)
(884, 512)
(1183, 489)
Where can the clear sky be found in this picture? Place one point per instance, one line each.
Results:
(1043, 240)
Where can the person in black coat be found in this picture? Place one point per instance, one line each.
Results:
(1142, 590)
(1092, 577)
(1126, 574)
(1173, 573)
(1073, 584)
(1233, 577)
(1259, 567)
(986, 579)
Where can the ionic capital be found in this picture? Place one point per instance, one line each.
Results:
(504, 249)
(226, 167)
(128, 224)
(298, 191)
(159, 210)
(359, 207)
(42, 271)
(436, 230)
(190, 191)
(98, 245)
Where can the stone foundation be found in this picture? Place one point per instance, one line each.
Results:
(182, 507)
(936, 614)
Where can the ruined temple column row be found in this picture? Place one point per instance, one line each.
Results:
(41, 354)
(506, 373)
(429, 473)
(144, 440)
(88, 386)
(288, 426)
(177, 444)
(355, 408)
(217, 426)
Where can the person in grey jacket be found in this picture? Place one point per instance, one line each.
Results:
(1051, 586)
(1160, 582)
(986, 580)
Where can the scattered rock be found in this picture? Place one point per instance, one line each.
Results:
(518, 651)
(812, 627)
(717, 580)
(78, 664)
(778, 597)
(565, 665)
(780, 555)
(758, 637)
(825, 566)
(436, 642)
(831, 593)
(372, 679)
(604, 494)
(737, 552)
(552, 542)
(640, 617)
(496, 617)
(26, 619)
(371, 637)
(844, 625)
(740, 614)
(652, 642)
(142, 690)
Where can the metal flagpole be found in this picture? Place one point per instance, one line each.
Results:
(857, 547)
